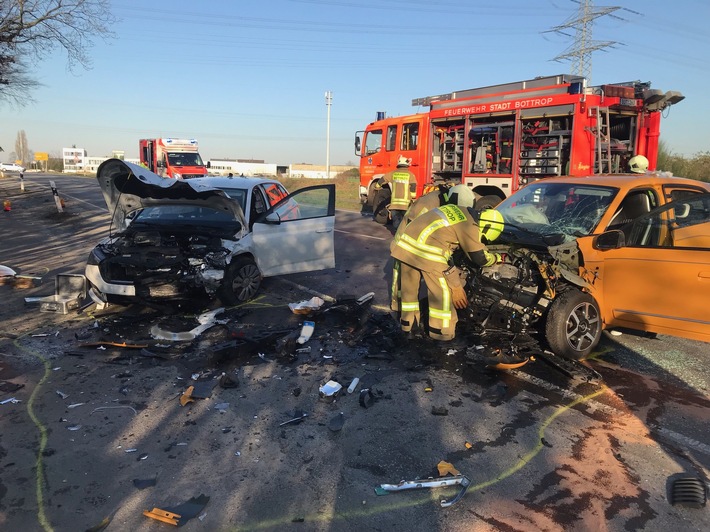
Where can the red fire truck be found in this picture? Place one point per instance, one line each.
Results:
(173, 158)
(496, 139)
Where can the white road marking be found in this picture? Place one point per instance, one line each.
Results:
(360, 234)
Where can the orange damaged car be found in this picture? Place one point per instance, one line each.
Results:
(579, 255)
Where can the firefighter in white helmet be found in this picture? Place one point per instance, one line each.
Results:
(403, 186)
(424, 251)
(460, 195)
(638, 164)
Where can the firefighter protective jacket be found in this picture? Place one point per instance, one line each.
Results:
(430, 239)
(403, 185)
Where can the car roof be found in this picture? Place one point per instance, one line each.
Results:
(625, 181)
(235, 182)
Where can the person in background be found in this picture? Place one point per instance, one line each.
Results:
(638, 164)
(403, 186)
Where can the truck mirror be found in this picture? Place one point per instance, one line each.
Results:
(209, 164)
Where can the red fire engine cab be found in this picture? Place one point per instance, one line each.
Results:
(173, 158)
(496, 139)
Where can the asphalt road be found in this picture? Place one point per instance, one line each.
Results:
(542, 451)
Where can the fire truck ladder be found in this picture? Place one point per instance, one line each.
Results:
(602, 162)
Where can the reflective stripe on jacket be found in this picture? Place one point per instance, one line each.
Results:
(431, 238)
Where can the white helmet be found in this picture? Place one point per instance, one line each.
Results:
(403, 161)
(460, 195)
(638, 164)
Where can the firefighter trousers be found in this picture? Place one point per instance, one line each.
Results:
(442, 313)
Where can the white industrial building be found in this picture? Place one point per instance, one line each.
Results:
(77, 161)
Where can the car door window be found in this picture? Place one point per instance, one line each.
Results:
(314, 202)
(635, 204)
(680, 224)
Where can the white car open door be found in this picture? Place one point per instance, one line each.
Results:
(296, 234)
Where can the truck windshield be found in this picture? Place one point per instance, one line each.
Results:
(185, 159)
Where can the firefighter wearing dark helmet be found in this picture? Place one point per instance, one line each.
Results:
(424, 252)
(403, 185)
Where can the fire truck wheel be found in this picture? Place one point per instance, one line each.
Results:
(380, 213)
(241, 282)
(487, 202)
(574, 325)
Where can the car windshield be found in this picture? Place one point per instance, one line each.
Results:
(185, 159)
(237, 194)
(569, 210)
(183, 214)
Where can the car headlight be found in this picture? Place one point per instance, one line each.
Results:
(177, 175)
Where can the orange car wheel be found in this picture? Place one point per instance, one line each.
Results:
(574, 325)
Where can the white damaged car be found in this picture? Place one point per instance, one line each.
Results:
(211, 237)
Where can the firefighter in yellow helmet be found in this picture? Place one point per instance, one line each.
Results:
(638, 164)
(424, 252)
(403, 186)
(460, 195)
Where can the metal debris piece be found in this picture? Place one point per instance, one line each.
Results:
(221, 407)
(62, 394)
(75, 405)
(98, 409)
(462, 480)
(74, 427)
(298, 417)
(132, 450)
(10, 400)
(206, 320)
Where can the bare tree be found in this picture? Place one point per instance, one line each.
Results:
(31, 29)
(22, 148)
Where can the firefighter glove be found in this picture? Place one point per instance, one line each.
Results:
(459, 297)
(493, 258)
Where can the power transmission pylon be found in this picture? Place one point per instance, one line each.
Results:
(580, 52)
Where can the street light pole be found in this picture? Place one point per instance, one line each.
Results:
(328, 103)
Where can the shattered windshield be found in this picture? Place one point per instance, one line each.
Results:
(570, 210)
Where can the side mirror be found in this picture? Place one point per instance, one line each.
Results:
(357, 145)
(161, 164)
(209, 164)
(610, 240)
(271, 218)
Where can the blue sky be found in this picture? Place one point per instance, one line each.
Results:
(247, 79)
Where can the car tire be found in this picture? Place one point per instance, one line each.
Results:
(380, 213)
(487, 202)
(574, 326)
(241, 282)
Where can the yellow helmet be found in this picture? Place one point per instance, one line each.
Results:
(490, 224)
(638, 164)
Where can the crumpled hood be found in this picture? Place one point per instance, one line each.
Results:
(127, 187)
